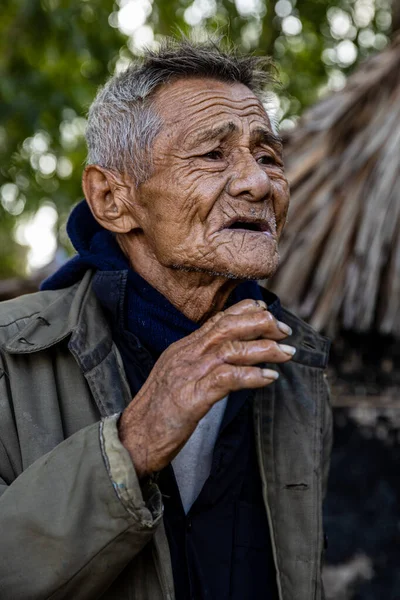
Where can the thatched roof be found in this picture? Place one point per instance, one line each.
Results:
(340, 254)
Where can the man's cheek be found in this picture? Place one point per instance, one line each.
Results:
(281, 215)
(192, 247)
(281, 204)
(176, 242)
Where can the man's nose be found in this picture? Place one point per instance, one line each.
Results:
(249, 179)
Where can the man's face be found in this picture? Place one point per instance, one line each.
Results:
(217, 198)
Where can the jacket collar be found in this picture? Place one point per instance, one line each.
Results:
(77, 315)
(312, 348)
(77, 306)
(68, 315)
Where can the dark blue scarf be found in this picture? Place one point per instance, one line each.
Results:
(148, 314)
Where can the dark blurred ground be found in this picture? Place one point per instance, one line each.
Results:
(362, 509)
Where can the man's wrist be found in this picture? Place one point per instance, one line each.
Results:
(136, 453)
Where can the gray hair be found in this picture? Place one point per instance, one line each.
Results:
(123, 122)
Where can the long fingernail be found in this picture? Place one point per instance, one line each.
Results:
(287, 349)
(270, 373)
(284, 328)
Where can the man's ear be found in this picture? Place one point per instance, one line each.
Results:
(110, 199)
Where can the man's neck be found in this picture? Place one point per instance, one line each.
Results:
(197, 295)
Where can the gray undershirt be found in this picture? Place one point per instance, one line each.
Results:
(192, 465)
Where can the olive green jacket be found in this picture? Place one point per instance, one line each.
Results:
(74, 520)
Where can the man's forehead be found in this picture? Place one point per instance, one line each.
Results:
(201, 94)
(195, 102)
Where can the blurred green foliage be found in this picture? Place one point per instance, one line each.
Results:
(55, 53)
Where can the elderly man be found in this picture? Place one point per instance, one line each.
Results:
(165, 427)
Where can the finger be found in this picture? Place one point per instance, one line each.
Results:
(242, 354)
(254, 352)
(248, 326)
(245, 306)
(230, 378)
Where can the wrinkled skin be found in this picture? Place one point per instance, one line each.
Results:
(216, 164)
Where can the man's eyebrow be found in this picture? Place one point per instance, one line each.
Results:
(208, 135)
(261, 134)
(267, 137)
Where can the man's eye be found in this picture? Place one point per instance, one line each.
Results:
(213, 155)
(267, 159)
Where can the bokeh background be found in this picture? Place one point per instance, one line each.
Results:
(338, 110)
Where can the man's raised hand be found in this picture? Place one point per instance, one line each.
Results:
(194, 373)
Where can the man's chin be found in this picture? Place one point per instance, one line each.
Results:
(237, 271)
(249, 269)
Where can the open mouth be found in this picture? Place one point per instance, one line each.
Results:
(245, 225)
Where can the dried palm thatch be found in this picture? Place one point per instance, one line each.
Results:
(340, 254)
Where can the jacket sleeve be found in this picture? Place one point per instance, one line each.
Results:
(327, 438)
(74, 519)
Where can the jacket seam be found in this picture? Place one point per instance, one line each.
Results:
(318, 452)
(20, 319)
(4, 373)
(314, 578)
(269, 509)
(161, 573)
(10, 462)
(39, 348)
(91, 380)
(277, 549)
(85, 297)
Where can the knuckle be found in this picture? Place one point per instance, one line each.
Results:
(270, 346)
(232, 348)
(220, 375)
(268, 320)
(172, 355)
(226, 324)
(247, 303)
(215, 318)
(236, 373)
(174, 349)
(272, 351)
